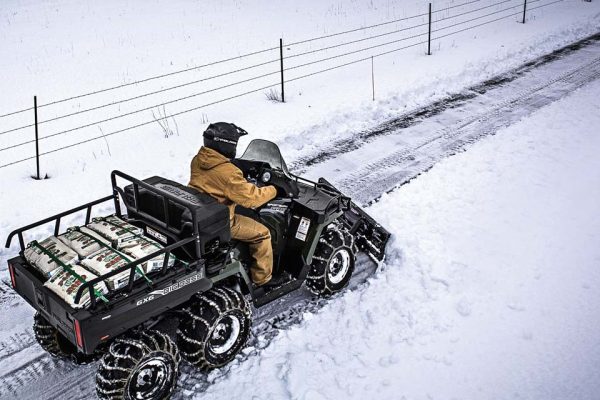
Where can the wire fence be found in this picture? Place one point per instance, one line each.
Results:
(420, 33)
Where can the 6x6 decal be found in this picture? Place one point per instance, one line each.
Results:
(176, 286)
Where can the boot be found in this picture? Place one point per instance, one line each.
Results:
(276, 281)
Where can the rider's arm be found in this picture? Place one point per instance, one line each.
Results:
(246, 194)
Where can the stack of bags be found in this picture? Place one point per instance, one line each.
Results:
(84, 253)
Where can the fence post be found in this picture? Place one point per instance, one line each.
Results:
(37, 146)
(524, 9)
(281, 64)
(429, 34)
(372, 78)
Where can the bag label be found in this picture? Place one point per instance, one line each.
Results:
(156, 235)
(303, 229)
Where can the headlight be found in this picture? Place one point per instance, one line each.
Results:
(266, 177)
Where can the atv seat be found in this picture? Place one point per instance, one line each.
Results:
(212, 218)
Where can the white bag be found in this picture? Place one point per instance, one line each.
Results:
(139, 247)
(114, 229)
(37, 254)
(83, 241)
(107, 260)
(66, 283)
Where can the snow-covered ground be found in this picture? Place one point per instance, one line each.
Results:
(491, 288)
(57, 49)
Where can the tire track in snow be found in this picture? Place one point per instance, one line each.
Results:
(421, 114)
(390, 171)
(365, 182)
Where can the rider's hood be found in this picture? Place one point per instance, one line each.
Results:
(209, 158)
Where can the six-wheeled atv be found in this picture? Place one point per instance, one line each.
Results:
(200, 308)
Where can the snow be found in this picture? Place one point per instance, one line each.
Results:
(489, 291)
(56, 50)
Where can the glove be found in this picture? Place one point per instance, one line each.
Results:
(285, 187)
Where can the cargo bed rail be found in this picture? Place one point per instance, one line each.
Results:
(89, 285)
(57, 219)
(118, 192)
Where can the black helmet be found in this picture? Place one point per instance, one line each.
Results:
(223, 137)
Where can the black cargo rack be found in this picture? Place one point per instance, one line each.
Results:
(117, 191)
(89, 285)
(57, 218)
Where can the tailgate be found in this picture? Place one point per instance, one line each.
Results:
(87, 328)
(31, 287)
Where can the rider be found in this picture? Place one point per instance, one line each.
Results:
(213, 173)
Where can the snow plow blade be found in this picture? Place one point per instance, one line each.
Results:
(370, 236)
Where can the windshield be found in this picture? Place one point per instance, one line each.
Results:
(263, 150)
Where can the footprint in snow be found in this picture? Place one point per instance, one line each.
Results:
(463, 307)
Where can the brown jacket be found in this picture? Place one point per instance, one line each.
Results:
(214, 174)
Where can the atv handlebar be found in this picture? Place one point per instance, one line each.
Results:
(285, 186)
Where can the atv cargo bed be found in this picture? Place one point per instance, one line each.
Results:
(139, 301)
(88, 328)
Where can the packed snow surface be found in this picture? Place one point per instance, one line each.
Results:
(58, 49)
(491, 286)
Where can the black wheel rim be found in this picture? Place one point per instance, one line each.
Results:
(151, 379)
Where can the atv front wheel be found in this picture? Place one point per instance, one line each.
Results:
(215, 328)
(140, 367)
(55, 343)
(333, 262)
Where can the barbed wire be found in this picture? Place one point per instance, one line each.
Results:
(483, 16)
(293, 79)
(475, 10)
(140, 110)
(142, 124)
(208, 91)
(144, 80)
(357, 41)
(221, 75)
(494, 20)
(376, 25)
(398, 30)
(141, 96)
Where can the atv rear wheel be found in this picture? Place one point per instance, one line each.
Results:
(333, 262)
(55, 343)
(215, 328)
(144, 366)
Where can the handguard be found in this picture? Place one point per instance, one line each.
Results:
(285, 186)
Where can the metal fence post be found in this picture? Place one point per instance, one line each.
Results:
(429, 34)
(37, 146)
(524, 10)
(281, 63)
(373, 78)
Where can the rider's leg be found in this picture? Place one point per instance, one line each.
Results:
(258, 238)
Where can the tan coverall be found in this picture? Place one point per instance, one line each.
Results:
(214, 174)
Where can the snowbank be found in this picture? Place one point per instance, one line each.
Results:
(490, 290)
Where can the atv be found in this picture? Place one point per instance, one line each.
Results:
(200, 307)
